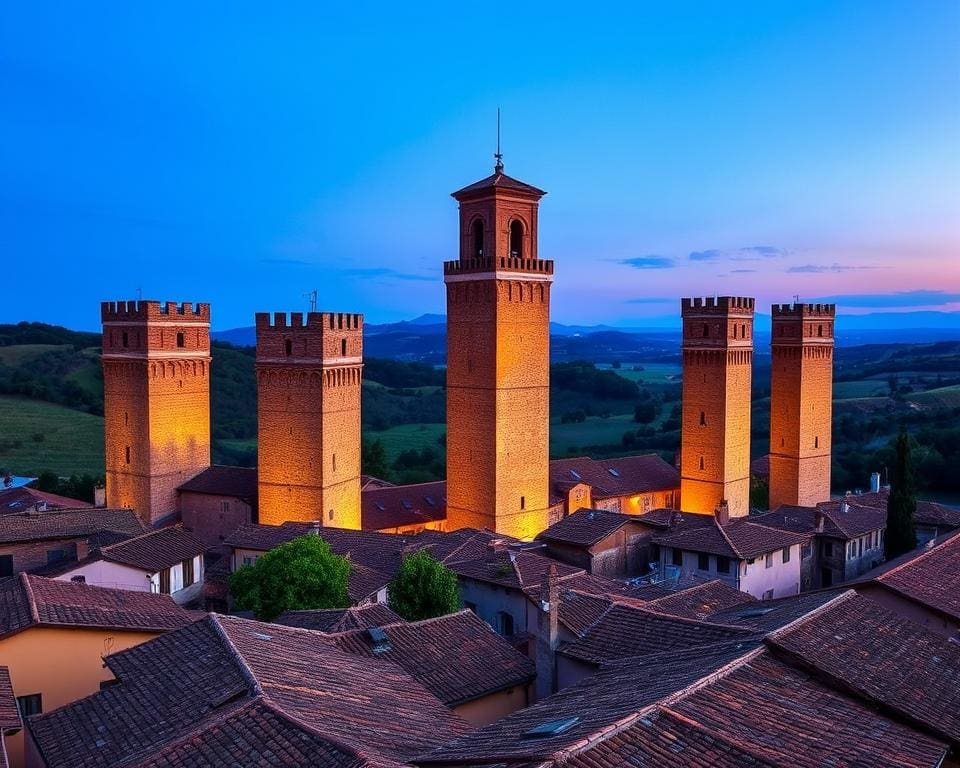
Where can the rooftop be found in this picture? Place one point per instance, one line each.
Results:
(497, 181)
(9, 713)
(742, 538)
(27, 601)
(586, 527)
(67, 524)
(156, 550)
(932, 578)
(233, 689)
(608, 478)
(220, 480)
(340, 620)
(394, 506)
(19, 498)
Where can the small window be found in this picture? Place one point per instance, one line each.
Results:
(816, 442)
(180, 340)
(701, 462)
(249, 560)
(334, 462)
(703, 421)
(828, 549)
(723, 564)
(768, 595)
(770, 560)
(126, 418)
(225, 505)
(677, 559)
(504, 624)
(78, 579)
(523, 502)
(743, 330)
(703, 561)
(6, 565)
(786, 554)
(516, 239)
(165, 581)
(330, 515)
(30, 705)
(126, 339)
(819, 330)
(343, 347)
(127, 453)
(477, 252)
(706, 330)
(56, 556)
(288, 347)
(187, 566)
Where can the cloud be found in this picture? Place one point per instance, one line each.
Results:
(386, 272)
(748, 253)
(821, 268)
(741, 271)
(653, 300)
(649, 262)
(919, 298)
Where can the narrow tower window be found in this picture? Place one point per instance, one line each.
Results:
(288, 347)
(743, 330)
(126, 339)
(516, 239)
(334, 462)
(816, 442)
(523, 502)
(703, 419)
(706, 330)
(701, 462)
(343, 347)
(127, 452)
(180, 340)
(478, 239)
(819, 330)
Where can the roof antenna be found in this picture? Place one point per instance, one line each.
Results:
(498, 156)
(312, 296)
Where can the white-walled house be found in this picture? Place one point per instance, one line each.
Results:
(762, 561)
(168, 561)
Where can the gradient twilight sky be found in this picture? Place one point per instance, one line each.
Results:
(244, 153)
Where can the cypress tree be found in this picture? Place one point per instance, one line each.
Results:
(900, 535)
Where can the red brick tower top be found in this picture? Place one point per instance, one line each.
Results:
(803, 324)
(138, 329)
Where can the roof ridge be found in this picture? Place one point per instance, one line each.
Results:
(296, 721)
(239, 660)
(726, 538)
(31, 597)
(911, 561)
(685, 619)
(746, 748)
(843, 597)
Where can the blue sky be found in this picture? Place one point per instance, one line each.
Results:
(245, 153)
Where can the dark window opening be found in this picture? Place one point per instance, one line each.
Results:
(516, 239)
(504, 623)
(128, 454)
(703, 420)
(677, 557)
(6, 565)
(165, 581)
(701, 462)
(477, 239)
(819, 330)
(523, 502)
(816, 442)
(330, 515)
(334, 462)
(703, 561)
(180, 339)
(187, 566)
(126, 339)
(786, 555)
(343, 347)
(56, 556)
(743, 330)
(723, 564)
(706, 330)
(30, 705)
(78, 579)
(288, 347)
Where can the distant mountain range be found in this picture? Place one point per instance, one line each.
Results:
(424, 338)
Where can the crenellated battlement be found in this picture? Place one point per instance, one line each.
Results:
(315, 321)
(790, 311)
(145, 311)
(719, 305)
(501, 264)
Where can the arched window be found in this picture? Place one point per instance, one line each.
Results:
(288, 347)
(516, 239)
(477, 239)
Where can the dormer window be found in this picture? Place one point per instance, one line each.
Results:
(516, 239)
(477, 239)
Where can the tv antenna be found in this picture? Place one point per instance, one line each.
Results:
(312, 298)
(498, 155)
(139, 294)
(796, 298)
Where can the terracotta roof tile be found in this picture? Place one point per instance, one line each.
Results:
(220, 480)
(498, 180)
(27, 600)
(67, 524)
(340, 620)
(741, 538)
(586, 527)
(768, 615)
(934, 514)
(156, 550)
(9, 713)
(191, 689)
(14, 500)
(608, 478)
(399, 505)
(702, 600)
(883, 657)
(629, 631)
(485, 662)
(515, 569)
(932, 578)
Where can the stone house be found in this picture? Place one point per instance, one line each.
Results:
(631, 485)
(217, 501)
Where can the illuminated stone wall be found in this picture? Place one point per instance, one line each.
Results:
(308, 418)
(715, 429)
(156, 378)
(801, 403)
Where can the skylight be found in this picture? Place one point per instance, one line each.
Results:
(575, 475)
(406, 504)
(550, 728)
(430, 501)
(613, 471)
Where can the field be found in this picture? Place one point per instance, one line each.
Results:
(565, 438)
(22, 353)
(407, 436)
(39, 436)
(652, 373)
(943, 397)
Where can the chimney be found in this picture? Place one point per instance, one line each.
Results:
(818, 520)
(875, 482)
(722, 513)
(99, 496)
(548, 634)
(844, 508)
(497, 545)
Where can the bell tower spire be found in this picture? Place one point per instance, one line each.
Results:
(498, 155)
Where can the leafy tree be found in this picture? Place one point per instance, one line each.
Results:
(373, 459)
(303, 574)
(423, 588)
(646, 411)
(900, 536)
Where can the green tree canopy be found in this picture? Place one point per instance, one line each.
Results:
(423, 588)
(303, 574)
(900, 535)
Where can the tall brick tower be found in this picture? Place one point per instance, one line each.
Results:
(308, 418)
(801, 403)
(156, 401)
(717, 372)
(498, 362)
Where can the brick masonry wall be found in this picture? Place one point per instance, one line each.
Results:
(204, 514)
(156, 370)
(29, 556)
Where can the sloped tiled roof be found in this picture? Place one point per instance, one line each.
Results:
(340, 620)
(935, 514)
(627, 631)
(509, 568)
(883, 657)
(9, 713)
(400, 505)
(768, 615)
(67, 524)
(155, 550)
(187, 689)
(498, 180)
(701, 600)
(21, 498)
(457, 657)
(220, 480)
(586, 527)
(610, 478)
(741, 538)
(932, 578)
(27, 601)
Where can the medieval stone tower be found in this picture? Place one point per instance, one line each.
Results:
(156, 401)
(717, 372)
(801, 403)
(498, 362)
(308, 417)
